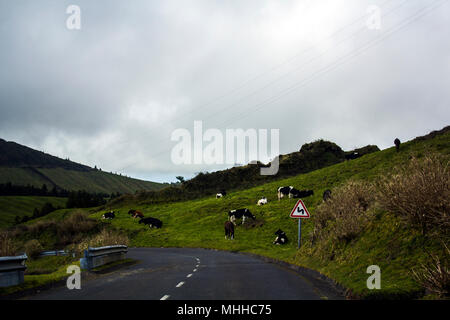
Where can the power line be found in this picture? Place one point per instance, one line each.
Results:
(420, 13)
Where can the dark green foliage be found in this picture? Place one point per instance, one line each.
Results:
(84, 199)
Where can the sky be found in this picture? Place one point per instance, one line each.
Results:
(111, 93)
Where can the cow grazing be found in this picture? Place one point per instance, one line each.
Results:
(294, 193)
(281, 237)
(262, 201)
(283, 191)
(131, 212)
(137, 214)
(352, 156)
(151, 222)
(397, 144)
(229, 230)
(240, 213)
(221, 194)
(326, 195)
(109, 215)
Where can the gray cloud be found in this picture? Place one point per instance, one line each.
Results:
(111, 93)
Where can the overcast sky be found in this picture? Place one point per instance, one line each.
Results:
(111, 93)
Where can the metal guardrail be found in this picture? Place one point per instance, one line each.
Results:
(12, 270)
(54, 253)
(96, 257)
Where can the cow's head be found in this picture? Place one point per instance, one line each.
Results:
(279, 232)
(249, 214)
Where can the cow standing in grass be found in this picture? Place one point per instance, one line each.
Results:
(284, 191)
(397, 144)
(326, 195)
(240, 213)
(229, 230)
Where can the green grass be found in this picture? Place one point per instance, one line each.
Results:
(50, 270)
(12, 206)
(199, 223)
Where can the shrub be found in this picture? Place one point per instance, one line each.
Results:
(7, 247)
(344, 216)
(33, 248)
(104, 238)
(435, 275)
(419, 193)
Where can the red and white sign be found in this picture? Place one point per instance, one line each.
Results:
(300, 211)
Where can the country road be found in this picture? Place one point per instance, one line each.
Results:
(196, 274)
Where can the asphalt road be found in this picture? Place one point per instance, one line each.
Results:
(195, 274)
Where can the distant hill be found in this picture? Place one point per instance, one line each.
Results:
(22, 165)
(312, 156)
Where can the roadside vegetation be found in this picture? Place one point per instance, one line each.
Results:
(359, 227)
(387, 208)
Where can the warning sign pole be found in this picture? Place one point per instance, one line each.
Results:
(300, 212)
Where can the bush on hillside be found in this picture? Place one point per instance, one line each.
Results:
(419, 193)
(345, 215)
(33, 248)
(434, 276)
(7, 247)
(105, 238)
(58, 234)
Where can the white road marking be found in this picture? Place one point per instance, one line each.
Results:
(180, 284)
(165, 297)
(189, 275)
(195, 270)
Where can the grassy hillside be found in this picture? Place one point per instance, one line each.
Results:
(11, 206)
(385, 242)
(21, 165)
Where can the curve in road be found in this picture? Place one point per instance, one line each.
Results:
(195, 274)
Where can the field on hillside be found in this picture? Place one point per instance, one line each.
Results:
(92, 181)
(384, 241)
(12, 206)
(199, 223)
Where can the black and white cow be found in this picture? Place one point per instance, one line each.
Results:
(352, 156)
(262, 201)
(240, 213)
(284, 191)
(221, 194)
(281, 237)
(229, 230)
(294, 193)
(151, 222)
(109, 215)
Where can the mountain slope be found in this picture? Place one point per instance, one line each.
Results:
(385, 242)
(21, 165)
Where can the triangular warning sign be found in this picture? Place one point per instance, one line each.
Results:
(300, 211)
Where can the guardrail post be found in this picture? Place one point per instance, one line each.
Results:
(96, 257)
(12, 270)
